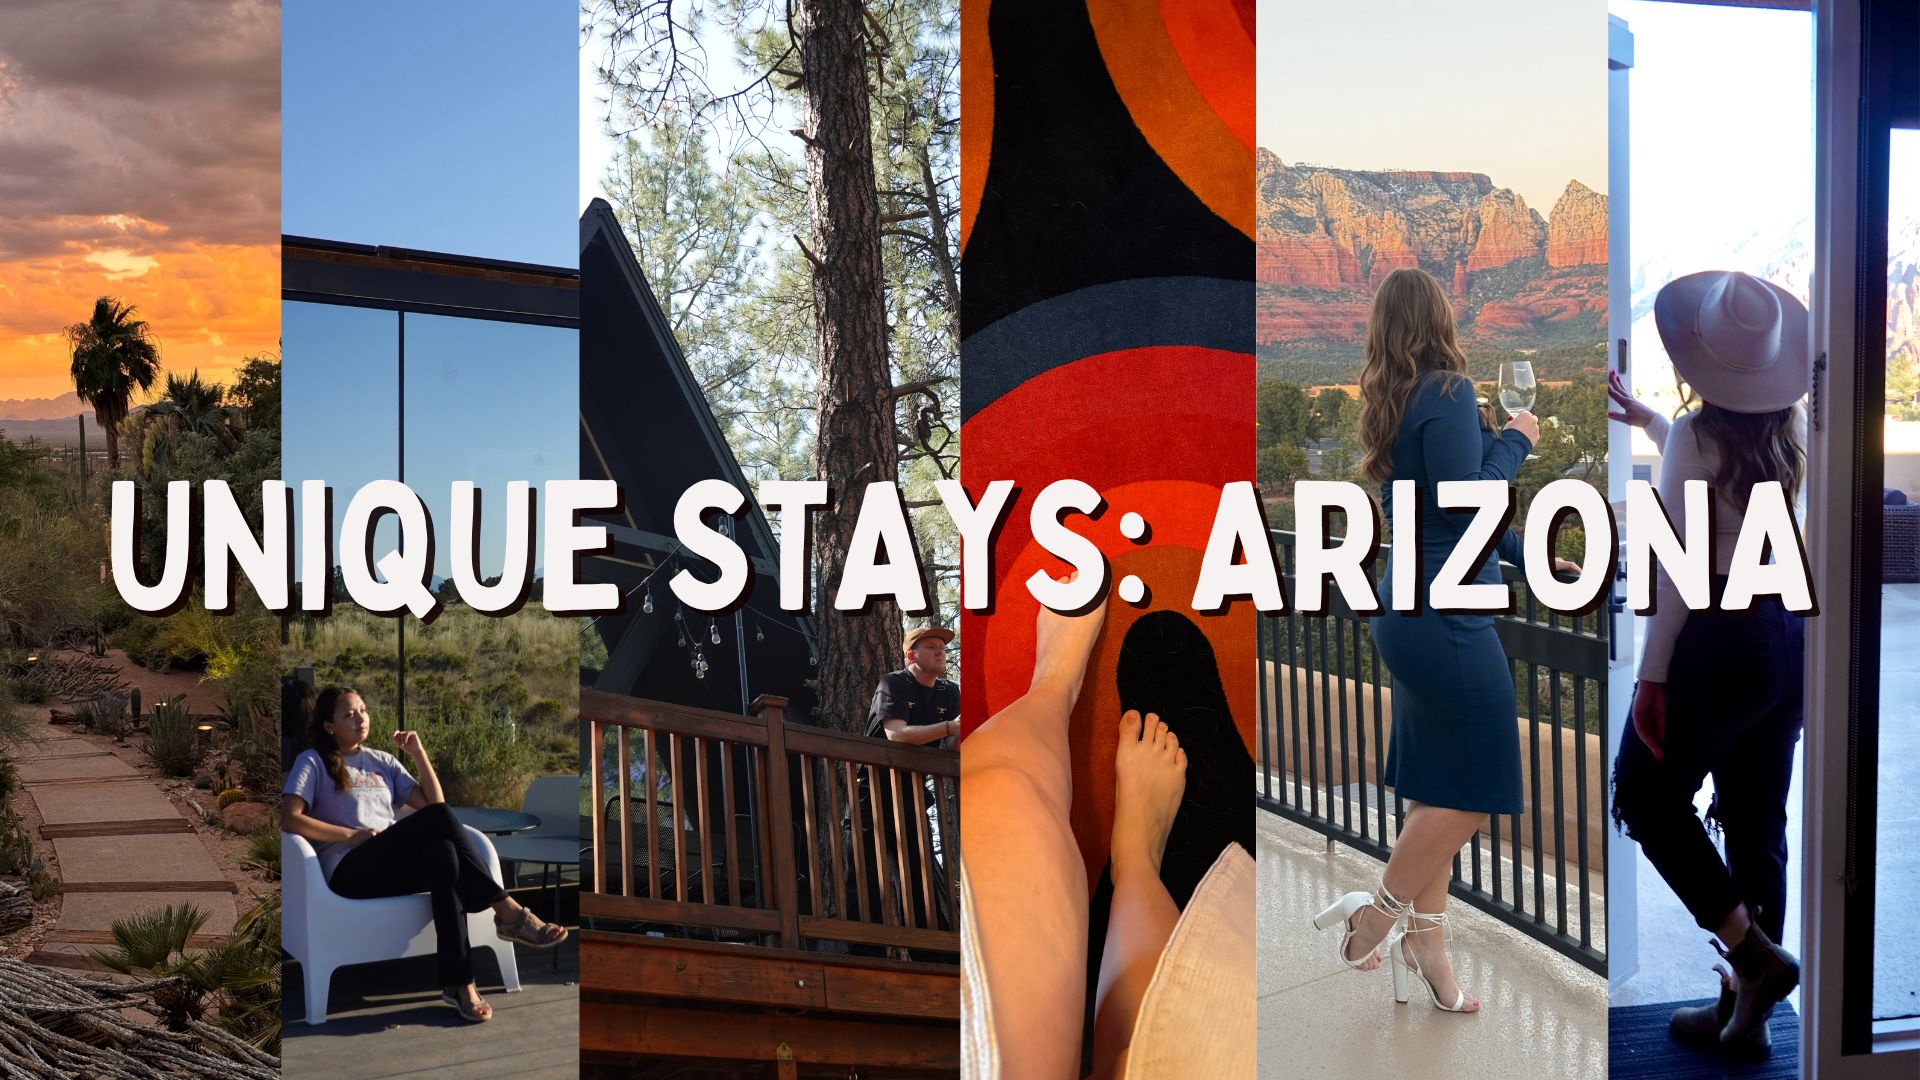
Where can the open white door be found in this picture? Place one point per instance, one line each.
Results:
(1623, 947)
(1867, 90)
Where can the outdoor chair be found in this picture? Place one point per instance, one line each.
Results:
(555, 800)
(325, 931)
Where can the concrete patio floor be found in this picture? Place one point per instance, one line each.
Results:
(1542, 1015)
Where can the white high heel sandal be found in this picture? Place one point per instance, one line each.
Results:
(1343, 911)
(1403, 963)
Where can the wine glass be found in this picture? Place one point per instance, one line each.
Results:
(1516, 386)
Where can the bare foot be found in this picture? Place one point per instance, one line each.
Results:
(1426, 949)
(1061, 646)
(1150, 773)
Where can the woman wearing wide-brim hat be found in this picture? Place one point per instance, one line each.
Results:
(1720, 692)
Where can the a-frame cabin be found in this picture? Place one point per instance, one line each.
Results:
(645, 423)
(709, 950)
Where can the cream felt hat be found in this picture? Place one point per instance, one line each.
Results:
(1739, 341)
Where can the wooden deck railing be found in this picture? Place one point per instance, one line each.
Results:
(731, 825)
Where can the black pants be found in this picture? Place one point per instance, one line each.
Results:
(1734, 710)
(425, 852)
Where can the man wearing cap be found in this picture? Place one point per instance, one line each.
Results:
(914, 705)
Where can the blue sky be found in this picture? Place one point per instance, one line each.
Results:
(447, 127)
(434, 124)
(1515, 89)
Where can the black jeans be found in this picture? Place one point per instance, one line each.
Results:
(1734, 710)
(425, 852)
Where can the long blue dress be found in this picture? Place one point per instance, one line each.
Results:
(1455, 738)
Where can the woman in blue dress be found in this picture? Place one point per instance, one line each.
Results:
(1455, 755)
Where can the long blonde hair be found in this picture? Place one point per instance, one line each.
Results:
(1409, 331)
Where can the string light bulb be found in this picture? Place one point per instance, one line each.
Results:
(646, 602)
(759, 634)
(714, 634)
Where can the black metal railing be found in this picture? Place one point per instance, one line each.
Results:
(1326, 719)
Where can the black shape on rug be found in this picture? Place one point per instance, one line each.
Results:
(1167, 668)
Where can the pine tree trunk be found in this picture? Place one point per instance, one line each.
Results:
(855, 406)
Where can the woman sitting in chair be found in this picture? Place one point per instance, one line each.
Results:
(342, 796)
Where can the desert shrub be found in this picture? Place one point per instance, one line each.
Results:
(480, 761)
(103, 716)
(27, 691)
(136, 638)
(263, 854)
(13, 725)
(171, 739)
(235, 985)
(44, 886)
(465, 664)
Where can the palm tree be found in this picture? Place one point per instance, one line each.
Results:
(113, 353)
(200, 408)
(189, 406)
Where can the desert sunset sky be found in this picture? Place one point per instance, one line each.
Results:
(142, 162)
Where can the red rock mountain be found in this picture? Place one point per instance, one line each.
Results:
(1327, 237)
(1577, 230)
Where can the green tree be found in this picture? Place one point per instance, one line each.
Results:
(256, 392)
(1277, 467)
(1281, 412)
(113, 354)
(803, 336)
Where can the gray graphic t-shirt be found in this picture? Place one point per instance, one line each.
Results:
(379, 784)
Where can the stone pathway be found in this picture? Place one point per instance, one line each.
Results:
(121, 845)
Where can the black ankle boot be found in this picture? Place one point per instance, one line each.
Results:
(1699, 1025)
(1764, 974)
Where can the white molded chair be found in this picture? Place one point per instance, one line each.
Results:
(325, 931)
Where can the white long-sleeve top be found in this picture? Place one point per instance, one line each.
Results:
(1685, 456)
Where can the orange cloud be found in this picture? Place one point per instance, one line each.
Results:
(210, 305)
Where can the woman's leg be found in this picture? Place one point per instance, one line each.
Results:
(1422, 854)
(1150, 773)
(1654, 801)
(1027, 879)
(427, 851)
(1427, 943)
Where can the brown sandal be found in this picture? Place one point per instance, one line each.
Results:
(470, 1012)
(522, 931)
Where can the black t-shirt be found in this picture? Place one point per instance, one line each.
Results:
(901, 697)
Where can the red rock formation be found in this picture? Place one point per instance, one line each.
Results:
(1504, 230)
(1577, 228)
(1315, 262)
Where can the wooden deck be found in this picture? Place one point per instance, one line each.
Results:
(654, 1006)
(387, 1020)
(718, 947)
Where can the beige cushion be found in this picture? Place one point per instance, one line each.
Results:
(1203, 983)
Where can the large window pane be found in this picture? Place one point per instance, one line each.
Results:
(341, 424)
(1896, 967)
(492, 402)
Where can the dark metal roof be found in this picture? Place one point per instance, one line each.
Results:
(645, 423)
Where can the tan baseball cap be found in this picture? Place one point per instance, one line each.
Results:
(914, 635)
